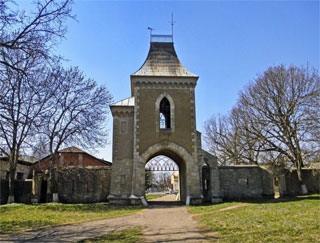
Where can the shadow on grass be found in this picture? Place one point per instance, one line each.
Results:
(282, 199)
(85, 208)
(269, 200)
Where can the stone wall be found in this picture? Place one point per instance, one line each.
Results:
(75, 185)
(310, 177)
(181, 131)
(244, 182)
(84, 185)
(22, 192)
(23, 168)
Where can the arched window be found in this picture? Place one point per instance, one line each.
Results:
(165, 114)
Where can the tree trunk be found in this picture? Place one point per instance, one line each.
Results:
(12, 172)
(11, 198)
(303, 186)
(52, 195)
(52, 192)
(54, 186)
(299, 160)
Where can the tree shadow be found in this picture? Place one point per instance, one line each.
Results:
(270, 200)
(161, 204)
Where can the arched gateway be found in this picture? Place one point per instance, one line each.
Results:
(159, 119)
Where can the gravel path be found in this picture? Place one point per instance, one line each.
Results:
(159, 223)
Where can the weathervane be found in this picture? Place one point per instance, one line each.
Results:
(172, 23)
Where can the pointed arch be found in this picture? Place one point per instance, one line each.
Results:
(165, 122)
(164, 107)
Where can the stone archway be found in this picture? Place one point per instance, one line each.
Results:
(162, 177)
(179, 155)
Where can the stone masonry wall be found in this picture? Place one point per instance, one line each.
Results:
(84, 185)
(122, 154)
(310, 177)
(244, 182)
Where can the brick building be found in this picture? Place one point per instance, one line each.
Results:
(71, 157)
(81, 177)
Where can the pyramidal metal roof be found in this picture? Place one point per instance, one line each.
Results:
(126, 102)
(162, 60)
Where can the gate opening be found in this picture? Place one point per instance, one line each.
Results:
(162, 180)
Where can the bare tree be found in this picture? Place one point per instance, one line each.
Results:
(223, 140)
(276, 117)
(162, 180)
(26, 44)
(77, 115)
(229, 141)
(22, 100)
(149, 177)
(34, 32)
(276, 109)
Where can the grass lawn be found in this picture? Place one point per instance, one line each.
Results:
(295, 220)
(153, 196)
(123, 236)
(16, 218)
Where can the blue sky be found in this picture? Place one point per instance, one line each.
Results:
(226, 43)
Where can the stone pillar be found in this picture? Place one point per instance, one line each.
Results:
(36, 182)
(137, 184)
(80, 160)
(282, 185)
(215, 193)
(193, 182)
(61, 160)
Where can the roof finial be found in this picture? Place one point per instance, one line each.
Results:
(172, 23)
(149, 28)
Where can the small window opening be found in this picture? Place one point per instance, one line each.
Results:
(19, 176)
(165, 114)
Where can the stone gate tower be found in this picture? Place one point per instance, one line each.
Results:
(158, 119)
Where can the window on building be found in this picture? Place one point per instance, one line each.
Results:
(165, 114)
(123, 127)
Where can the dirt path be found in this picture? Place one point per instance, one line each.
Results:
(163, 223)
(232, 207)
(159, 223)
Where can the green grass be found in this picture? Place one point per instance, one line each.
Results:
(16, 218)
(123, 236)
(295, 220)
(153, 196)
